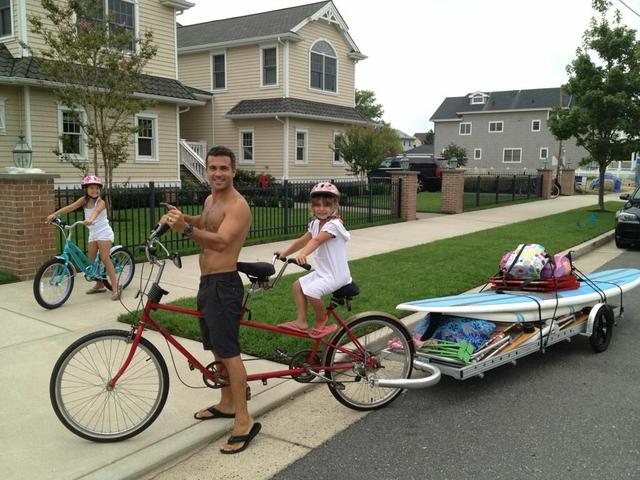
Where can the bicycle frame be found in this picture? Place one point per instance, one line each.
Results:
(71, 251)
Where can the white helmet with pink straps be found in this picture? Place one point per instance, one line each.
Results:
(325, 189)
(91, 180)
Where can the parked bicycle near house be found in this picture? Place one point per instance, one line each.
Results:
(54, 281)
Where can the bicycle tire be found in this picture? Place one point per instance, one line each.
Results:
(42, 283)
(352, 387)
(555, 191)
(91, 411)
(122, 260)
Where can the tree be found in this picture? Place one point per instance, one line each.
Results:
(428, 137)
(604, 83)
(97, 66)
(363, 147)
(367, 107)
(453, 150)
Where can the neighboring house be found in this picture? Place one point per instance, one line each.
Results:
(28, 104)
(423, 152)
(283, 88)
(504, 130)
(420, 138)
(408, 142)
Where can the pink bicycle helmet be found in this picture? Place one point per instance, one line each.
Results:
(91, 180)
(325, 188)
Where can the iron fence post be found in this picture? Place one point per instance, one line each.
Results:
(478, 191)
(497, 188)
(152, 205)
(528, 187)
(285, 222)
(370, 212)
(513, 188)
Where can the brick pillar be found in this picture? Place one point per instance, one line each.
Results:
(452, 196)
(567, 181)
(408, 194)
(25, 240)
(547, 181)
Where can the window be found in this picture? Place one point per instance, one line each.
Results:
(323, 67)
(535, 125)
(147, 138)
(5, 18)
(269, 66)
(477, 100)
(301, 146)
(219, 78)
(544, 153)
(477, 154)
(496, 127)
(246, 146)
(511, 155)
(3, 116)
(71, 141)
(465, 128)
(123, 12)
(337, 157)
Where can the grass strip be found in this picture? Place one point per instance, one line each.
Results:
(6, 277)
(444, 267)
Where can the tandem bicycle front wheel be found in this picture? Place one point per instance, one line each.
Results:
(384, 350)
(53, 283)
(79, 386)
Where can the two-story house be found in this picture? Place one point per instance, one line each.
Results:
(28, 105)
(408, 142)
(283, 88)
(505, 130)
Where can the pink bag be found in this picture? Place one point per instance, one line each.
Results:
(562, 267)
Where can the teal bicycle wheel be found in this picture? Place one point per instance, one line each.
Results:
(53, 283)
(125, 268)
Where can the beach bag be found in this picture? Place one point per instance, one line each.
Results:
(560, 267)
(526, 261)
(453, 329)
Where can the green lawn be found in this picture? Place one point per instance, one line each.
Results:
(444, 267)
(430, 201)
(6, 277)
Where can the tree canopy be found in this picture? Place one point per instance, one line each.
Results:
(453, 150)
(604, 85)
(367, 106)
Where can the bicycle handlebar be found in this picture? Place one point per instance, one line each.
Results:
(306, 266)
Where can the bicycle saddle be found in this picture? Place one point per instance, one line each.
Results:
(256, 270)
(348, 291)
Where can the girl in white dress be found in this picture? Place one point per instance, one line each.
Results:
(328, 238)
(100, 233)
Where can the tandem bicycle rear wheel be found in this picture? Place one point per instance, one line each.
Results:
(79, 386)
(387, 353)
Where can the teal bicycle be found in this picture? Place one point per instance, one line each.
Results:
(53, 283)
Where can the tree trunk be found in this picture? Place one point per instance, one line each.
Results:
(602, 168)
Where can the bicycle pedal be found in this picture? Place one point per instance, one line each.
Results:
(282, 353)
(191, 366)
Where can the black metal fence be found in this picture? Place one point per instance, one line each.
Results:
(280, 210)
(489, 189)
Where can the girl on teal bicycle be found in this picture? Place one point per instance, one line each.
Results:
(100, 233)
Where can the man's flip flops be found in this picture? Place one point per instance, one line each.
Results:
(215, 413)
(91, 291)
(242, 438)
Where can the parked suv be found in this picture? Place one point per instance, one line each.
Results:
(628, 221)
(429, 171)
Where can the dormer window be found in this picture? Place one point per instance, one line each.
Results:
(477, 100)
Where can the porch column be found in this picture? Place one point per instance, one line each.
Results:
(452, 195)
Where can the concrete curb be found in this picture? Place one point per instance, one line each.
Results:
(590, 245)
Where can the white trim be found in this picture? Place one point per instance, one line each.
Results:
(175, 43)
(24, 28)
(539, 125)
(262, 49)
(286, 69)
(285, 156)
(335, 51)
(27, 115)
(478, 157)
(340, 162)
(295, 115)
(3, 116)
(241, 159)
(12, 11)
(460, 128)
(83, 139)
(239, 43)
(305, 151)
(546, 149)
(178, 143)
(545, 109)
(513, 149)
(155, 152)
(226, 85)
(501, 122)
(177, 4)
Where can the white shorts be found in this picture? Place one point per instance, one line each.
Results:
(104, 236)
(315, 286)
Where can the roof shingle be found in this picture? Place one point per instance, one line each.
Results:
(295, 107)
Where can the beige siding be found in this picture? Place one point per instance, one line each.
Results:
(44, 115)
(196, 124)
(34, 8)
(319, 153)
(13, 112)
(267, 145)
(151, 16)
(12, 42)
(299, 65)
(194, 70)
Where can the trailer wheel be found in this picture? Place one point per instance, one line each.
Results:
(602, 329)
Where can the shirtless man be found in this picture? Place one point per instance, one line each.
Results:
(220, 231)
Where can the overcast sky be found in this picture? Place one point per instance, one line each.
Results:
(421, 51)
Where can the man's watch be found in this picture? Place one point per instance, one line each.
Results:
(187, 232)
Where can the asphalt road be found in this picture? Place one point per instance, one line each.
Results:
(566, 414)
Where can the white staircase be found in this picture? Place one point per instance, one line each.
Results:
(192, 156)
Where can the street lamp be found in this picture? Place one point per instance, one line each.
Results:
(22, 153)
(545, 163)
(404, 162)
(453, 162)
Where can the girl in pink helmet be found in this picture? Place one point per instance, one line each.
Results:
(328, 238)
(100, 232)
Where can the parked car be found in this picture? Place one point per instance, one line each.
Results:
(429, 171)
(628, 221)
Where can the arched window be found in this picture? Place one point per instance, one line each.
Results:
(323, 67)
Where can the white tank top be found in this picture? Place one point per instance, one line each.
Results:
(101, 224)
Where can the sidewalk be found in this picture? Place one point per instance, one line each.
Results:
(35, 444)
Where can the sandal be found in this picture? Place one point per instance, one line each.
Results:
(317, 333)
(292, 326)
(215, 413)
(115, 296)
(246, 439)
(91, 291)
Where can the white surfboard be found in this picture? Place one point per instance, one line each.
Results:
(522, 306)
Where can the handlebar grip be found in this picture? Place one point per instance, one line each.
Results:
(159, 230)
(306, 266)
